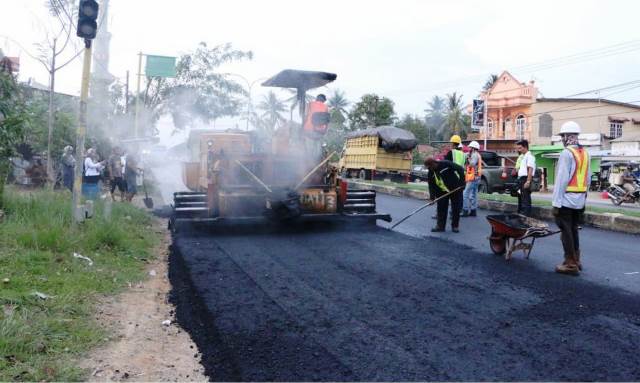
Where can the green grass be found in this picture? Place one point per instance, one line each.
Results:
(42, 339)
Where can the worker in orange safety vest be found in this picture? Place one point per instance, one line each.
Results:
(315, 126)
(572, 179)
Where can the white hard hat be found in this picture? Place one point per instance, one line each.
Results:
(475, 145)
(570, 127)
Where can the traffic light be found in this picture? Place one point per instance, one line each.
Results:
(87, 15)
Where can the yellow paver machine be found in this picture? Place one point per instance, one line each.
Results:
(246, 177)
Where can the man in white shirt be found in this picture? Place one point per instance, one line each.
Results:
(525, 175)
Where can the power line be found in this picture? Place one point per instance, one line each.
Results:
(585, 56)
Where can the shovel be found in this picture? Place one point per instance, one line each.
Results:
(148, 202)
(425, 206)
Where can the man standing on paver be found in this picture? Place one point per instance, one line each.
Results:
(573, 176)
(525, 174)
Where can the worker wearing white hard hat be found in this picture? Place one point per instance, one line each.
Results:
(472, 177)
(572, 179)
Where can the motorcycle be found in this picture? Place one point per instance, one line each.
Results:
(618, 195)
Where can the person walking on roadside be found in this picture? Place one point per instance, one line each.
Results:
(130, 176)
(472, 174)
(68, 167)
(526, 171)
(116, 177)
(91, 174)
(573, 176)
(456, 155)
(444, 177)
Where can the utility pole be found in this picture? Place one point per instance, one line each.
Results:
(126, 95)
(135, 121)
(78, 213)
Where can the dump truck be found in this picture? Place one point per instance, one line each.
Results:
(384, 152)
(237, 177)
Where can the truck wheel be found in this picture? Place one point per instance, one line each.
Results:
(362, 174)
(484, 186)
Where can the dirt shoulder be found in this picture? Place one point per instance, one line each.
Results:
(142, 347)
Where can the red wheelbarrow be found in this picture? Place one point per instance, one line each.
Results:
(509, 232)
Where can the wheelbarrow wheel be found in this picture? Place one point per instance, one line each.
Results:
(498, 243)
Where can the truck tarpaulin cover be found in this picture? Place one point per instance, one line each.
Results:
(392, 139)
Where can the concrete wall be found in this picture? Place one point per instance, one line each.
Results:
(592, 116)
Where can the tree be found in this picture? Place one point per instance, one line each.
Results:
(371, 111)
(272, 108)
(51, 52)
(454, 114)
(199, 91)
(13, 116)
(434, 118)
(416, 126)
(493, 78)
(338, 102)
(294, 102)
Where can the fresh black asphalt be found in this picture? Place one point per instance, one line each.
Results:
(353, 303)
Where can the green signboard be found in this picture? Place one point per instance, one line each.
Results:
(160, 66)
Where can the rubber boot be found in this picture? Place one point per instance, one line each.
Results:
(455, 229)
(437, 229)
(473, 213)
(466, 213)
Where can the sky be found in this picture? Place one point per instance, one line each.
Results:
(406, 50)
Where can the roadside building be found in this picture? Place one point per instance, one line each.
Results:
(625, 148)
(601, 120)
(509, 104)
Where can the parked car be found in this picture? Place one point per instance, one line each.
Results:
(418, 173)
(498, 177)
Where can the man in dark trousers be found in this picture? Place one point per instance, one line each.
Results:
(444, 177)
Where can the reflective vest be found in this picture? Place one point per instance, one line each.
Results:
(439, 182)
(578, 181)
(316, 107)
(519, 161)
(471, 173)
(458, 156)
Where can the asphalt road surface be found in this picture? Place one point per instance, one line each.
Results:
(331, 304)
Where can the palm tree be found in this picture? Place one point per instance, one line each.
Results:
(493, 78)
(338, 102)
(272, 108)
(453, 114)
(434, 116)
(295, 102)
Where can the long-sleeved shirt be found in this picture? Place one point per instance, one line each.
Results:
(92, 168)
(451, 174)
(564, 171)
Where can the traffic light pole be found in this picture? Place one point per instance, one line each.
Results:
(77, 212)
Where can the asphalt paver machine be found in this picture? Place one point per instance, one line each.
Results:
(248, 177)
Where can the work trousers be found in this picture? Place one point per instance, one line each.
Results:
(470, 195)
(568, 221)
(456, 206)
(524, 198)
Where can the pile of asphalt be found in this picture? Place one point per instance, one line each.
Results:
(371, 304)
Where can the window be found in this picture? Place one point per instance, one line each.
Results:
(520, 126)
(546, 125)
(506, 125)
(615, 129)
(489, 128)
